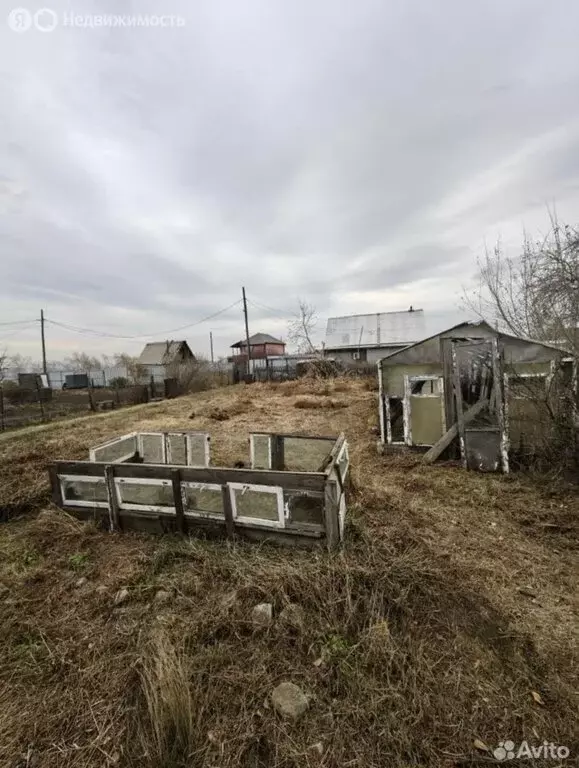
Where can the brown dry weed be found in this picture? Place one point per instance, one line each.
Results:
(414, 641)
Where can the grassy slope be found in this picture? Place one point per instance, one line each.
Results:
(414, 641)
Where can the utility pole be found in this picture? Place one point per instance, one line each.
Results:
(43, 342)
(246, 332)
(211, 343)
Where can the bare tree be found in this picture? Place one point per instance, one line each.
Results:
(536, 293)
(131, 365)
(81, 362)
(301, 330)
(3, 364)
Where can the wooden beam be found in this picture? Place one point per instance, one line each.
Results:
(433, 453)
(331, 457)
(112, 495)
(55, 485)
(277, 452)
(87, 468)
(228, 512)
(499, 385)
(331, 511)
(309, 481)
(298, 435)
(178, 499)
(458, 405)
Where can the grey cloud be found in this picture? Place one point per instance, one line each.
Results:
(309, 149)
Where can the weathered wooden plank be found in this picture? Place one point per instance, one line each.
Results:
(156, 523)
(112, 496)
(446, 357)
(458, 405)
(220, 475)
(228, 512)
(331, 514)
(498, 379)
(331, 457)
(298, 435)
(178, 499)
(55, 485)
(88, 468)
(433, 453)
(277, 452)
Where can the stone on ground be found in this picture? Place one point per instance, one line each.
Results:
(262, 615)
(289, 700)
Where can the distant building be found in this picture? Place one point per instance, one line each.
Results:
(158, 357)
(369, 338)
(261, 346)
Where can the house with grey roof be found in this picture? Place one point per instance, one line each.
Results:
(159, 357)
(370, 337)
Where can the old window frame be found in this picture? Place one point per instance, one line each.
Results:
(108, 444)
(82, 502)
(257, 521)
(252, 448)
(200, 514)
(120, 481)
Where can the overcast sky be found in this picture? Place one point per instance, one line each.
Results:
(356, 154)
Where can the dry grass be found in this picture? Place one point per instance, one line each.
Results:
(414, 641)
(320, 402)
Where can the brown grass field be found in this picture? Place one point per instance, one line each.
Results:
(447, 622)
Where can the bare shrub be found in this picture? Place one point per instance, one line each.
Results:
(171, 733)
(535, 295)
(198, 375)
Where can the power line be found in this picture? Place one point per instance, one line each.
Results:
(104, 334)
(20, 330)
(257, 305)
(20, 322)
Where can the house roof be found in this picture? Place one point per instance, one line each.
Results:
(161, 352)
(257, 338)
(470, 324)
(386, 329)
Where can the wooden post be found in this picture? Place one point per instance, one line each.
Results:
(43, 340)
(178, 498)
(331, 513)
(39, 398)
(500, 400)
(2, 424)
(446, 357)
(406, 412)
(55, 486)
(277, 452)
(91, 396)
(458, 405)
(114, 513)
(228, 511)
(246, 332)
